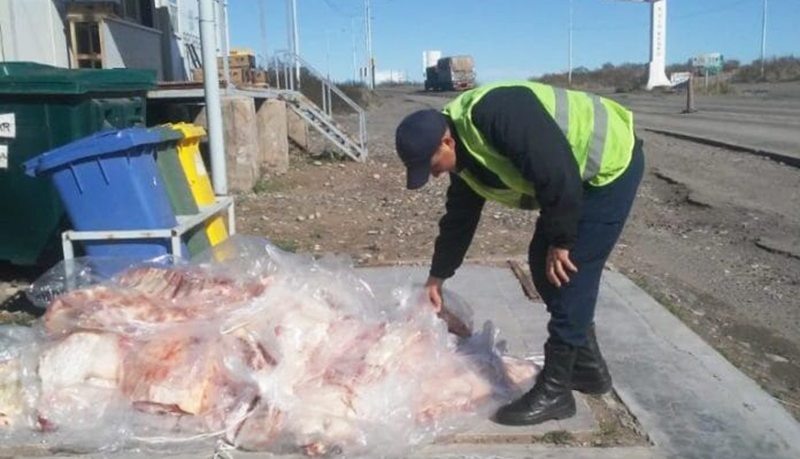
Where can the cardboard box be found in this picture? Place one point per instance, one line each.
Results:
(238, 75)
(240, 51)
(197, 74)
(246, 61)
(258, 76)
(242, 61)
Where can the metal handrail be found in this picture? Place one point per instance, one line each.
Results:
(290, 61)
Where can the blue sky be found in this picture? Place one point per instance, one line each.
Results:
(515, 38)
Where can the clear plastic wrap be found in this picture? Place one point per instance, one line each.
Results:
(250, 347)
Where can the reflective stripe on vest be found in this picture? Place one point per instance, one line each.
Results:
(598, 142)
(562, 110)
(595, 157)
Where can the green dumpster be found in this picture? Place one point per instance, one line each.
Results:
(177, 185)
(41, 108)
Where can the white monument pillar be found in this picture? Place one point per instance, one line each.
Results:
(656, 75)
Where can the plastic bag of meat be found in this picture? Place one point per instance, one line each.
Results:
(254, 348)
(18, 383)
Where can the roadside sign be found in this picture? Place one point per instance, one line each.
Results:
(3, 156)
(711, 62)
(677, 78)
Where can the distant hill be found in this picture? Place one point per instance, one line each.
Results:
(631, 77)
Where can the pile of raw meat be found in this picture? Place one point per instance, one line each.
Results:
(251, 347)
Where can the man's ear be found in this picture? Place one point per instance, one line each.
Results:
(448, 139)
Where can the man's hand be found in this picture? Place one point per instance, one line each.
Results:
(557, 265)
(434, 288)
(454, 324)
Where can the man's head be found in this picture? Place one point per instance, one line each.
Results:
(426, 146)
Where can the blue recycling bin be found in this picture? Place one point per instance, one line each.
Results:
(110, 181)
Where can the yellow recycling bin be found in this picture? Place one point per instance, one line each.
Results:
(196, 175)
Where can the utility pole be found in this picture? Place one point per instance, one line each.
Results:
(216, 139)
(293, 37)
(262, 19)
(328, 52)
(569, 60)
(370, 59)
(763, 37)
(221, 24)
(353, 37)
(289, 27)
(296, 38)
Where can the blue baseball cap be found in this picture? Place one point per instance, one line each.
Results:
(417, 138)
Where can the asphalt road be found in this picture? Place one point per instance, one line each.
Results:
(754, 117)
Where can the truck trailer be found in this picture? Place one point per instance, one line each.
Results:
(452, 73)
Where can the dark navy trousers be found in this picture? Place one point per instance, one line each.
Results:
(605, 210)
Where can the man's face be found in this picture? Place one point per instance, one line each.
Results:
(444, 160)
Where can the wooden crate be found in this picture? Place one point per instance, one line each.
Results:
(246, 61)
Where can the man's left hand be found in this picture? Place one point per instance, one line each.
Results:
(557, 265)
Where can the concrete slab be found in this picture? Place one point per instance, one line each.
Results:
(689, 399)
(496, 451)
(493, 295)
(691, 402)
(439, 452)
(491, 432)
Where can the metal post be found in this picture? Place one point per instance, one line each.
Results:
(330, 101)
(287, 73)
(66, 246)
(277, 75)
(262, 19)
(231, 220)
(353, 38)
(690, 95)
(763, 37)
(226, 70)
(289, 28)
(213, 106)
(569, 60)
(324, 99)
(69, 262)
(328, 52)
(296, 40)
(370, 60)
(176, 244)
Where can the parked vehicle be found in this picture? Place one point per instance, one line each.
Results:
(453, 73)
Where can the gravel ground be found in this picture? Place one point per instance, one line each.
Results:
(713, 234)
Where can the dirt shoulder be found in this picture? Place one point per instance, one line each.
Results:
(713, 235)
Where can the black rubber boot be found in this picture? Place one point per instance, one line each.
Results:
(590, 374)
(551, 396)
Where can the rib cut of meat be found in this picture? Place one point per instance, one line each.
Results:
(296, 361)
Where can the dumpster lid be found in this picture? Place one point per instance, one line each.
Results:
(167, 134)
(33, 78)
(99, 144)
(189, 130)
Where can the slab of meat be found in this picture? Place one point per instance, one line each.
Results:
(144, 299)
(11, 407)
(300, 359)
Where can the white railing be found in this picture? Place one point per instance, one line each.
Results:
(288, 68)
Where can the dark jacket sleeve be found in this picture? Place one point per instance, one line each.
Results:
(456, 228)
(514, 121)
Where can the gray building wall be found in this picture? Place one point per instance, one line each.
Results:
(127, 45)
(33, 30)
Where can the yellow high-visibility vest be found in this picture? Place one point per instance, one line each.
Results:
(599, 131)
